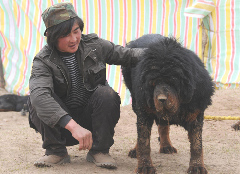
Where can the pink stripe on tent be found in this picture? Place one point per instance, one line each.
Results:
(186, 27)
(124, 22)
(30, 28)
(112, 22)
(151, 17)
(24, 72)
(18, 15)
(186, 32)
(87, 17)
(75, 5)
(30, 37)
(99, 18)
(39, 16)
(27, 8)
(218, 41)
(196, 43)
(233, 42)
(4, 48)
(163, 17)
(108, 72)
(120, 82)
(175, 20)
(206, 2)
(138, 18)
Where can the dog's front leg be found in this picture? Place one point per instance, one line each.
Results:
(145, 165)
(196, 164)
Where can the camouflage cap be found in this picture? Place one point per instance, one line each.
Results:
(58, 13)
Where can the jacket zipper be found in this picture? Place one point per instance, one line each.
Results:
(63, 75)
(83, 62)
(83, 71)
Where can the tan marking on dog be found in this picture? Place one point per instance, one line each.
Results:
(195, 138)
(192, 116)
(165, 142)
(149, 110)
(143, 150)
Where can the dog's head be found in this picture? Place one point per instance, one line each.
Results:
(166, 72)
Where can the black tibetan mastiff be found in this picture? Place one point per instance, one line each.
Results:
(169, 86)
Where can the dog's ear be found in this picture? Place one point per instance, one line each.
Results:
(145, 93)
(187, 88)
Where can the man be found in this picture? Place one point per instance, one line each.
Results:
(70, 99)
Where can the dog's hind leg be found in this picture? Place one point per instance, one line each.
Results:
(165, 142)
(133, 152)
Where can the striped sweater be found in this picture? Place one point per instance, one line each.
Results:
(79, 95)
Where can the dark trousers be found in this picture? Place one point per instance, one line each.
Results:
(99, 116)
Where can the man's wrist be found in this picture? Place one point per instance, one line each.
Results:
(64, 120)
(71, 125)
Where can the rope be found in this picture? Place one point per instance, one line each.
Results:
(221, 117)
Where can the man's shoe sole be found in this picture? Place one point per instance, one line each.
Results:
(107, 165)
(47, 164)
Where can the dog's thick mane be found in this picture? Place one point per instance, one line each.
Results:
(167, 61)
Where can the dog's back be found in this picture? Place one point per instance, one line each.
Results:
(145, 41)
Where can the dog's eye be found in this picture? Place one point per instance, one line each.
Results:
(152, 82)
(154, 67)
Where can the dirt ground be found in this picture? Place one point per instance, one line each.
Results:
(20, 146)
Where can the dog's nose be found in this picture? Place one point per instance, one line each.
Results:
(162, 98)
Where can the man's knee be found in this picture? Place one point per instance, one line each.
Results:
(107, 94)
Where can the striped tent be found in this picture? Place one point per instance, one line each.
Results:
(119, 21)
(223, 28)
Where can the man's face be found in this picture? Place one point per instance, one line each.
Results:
(70, 42)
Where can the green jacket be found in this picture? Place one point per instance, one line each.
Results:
(50, 74)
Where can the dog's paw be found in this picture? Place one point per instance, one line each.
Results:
(146, 170)
(197, 170)
(168, 150)
(132, 153)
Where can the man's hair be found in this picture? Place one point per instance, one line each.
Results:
(61, 30)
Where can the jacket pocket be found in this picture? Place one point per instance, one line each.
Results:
(60, 86)
(96, 74)
(94, 71)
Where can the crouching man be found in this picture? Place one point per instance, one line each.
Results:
(70, 100)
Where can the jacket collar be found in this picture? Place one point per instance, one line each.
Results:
(55, 58)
